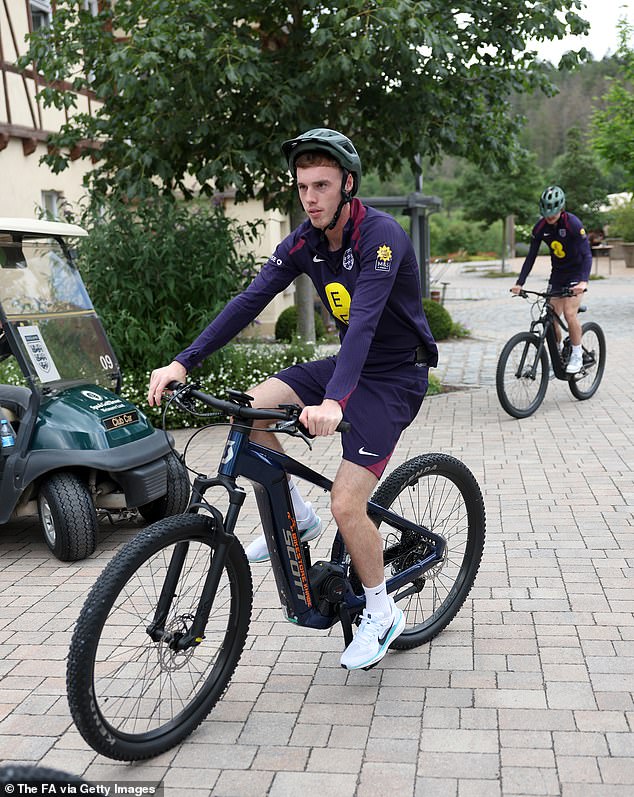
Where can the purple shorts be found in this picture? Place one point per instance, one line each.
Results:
(559, 281)
(382, 405)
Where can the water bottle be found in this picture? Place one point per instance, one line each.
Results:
(7, 436)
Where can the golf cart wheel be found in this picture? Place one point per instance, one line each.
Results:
(68, 517)
(176, 499)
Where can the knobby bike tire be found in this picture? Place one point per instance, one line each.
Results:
(586, 383)
(133, 698)
(440, 493)
(521, 396)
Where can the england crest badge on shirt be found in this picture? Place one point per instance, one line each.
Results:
(348, 260)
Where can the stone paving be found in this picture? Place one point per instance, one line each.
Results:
(528, 692)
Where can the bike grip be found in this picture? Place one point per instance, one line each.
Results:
(344, 426)
(174, 386)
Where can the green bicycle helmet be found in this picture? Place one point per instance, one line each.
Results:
(552, 201)
(322, 139)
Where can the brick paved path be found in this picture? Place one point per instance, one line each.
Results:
(528, 692)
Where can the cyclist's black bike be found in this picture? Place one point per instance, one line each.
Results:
(162, 629)
(522, 373)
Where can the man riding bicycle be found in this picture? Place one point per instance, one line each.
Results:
(571, 262)
(364, 269)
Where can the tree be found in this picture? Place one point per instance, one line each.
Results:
(613, 127)
(493, 194)
(193, 88)
(578, 172)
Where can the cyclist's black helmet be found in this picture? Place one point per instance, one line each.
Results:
(552, 201)
(322, 139)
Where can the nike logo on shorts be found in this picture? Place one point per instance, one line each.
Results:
(318, 259)
(367, 453)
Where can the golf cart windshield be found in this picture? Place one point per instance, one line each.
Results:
(48, 317)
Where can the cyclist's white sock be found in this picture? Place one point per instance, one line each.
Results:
(302, 511)
(577, 349)
(377, 601)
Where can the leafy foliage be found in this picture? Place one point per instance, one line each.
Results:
(614, 126)
(190, 87)
(158, 273)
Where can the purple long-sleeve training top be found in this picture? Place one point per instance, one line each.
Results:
(370, 286)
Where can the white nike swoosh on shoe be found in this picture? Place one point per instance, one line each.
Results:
(318, 259)
(367, 453)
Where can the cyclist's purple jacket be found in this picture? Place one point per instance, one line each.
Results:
(568, 244)
(370, 286)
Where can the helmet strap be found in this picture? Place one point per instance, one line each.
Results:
(346, 196)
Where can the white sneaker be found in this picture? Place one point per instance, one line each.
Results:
(574, 363)
(372, 640)
(309, 529)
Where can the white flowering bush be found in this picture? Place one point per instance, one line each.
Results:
(240, 366)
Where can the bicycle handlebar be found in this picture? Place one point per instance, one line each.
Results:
(287, 412)
(566, 293)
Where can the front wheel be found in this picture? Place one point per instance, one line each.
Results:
(133, 693)
(584, 384)
(521, 378)
(439, 493)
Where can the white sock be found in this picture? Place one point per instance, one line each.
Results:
(302, 511)
(377, 601)
(577, 349)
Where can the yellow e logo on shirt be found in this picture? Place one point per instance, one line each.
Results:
(339, 300)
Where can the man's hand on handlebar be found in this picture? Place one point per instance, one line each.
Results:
(516, 289)
(579, 288)
(161, 377)
(323, 419)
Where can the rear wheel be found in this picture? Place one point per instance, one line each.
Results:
(584, 384)
(176, 498)
(521, 378)
(68, 517)
(133, 693)
(439, 493)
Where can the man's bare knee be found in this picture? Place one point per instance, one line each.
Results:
(273, 392)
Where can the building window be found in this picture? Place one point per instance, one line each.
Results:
(52, 202)
(41, 14)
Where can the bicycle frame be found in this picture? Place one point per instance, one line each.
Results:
(548, 337)
(290, 559)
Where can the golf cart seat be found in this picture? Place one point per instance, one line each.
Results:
(14, 401)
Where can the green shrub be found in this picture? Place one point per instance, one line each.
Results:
(440, 321)
(287, 324)
(159, 272)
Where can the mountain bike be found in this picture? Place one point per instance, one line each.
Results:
(164, 626)
(522, 372)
